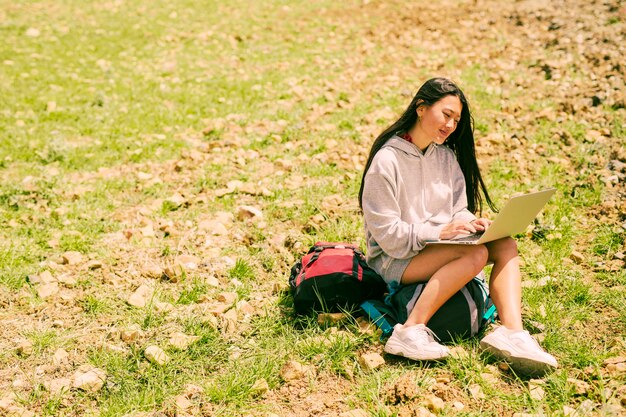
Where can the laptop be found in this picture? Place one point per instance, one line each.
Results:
(512, 219)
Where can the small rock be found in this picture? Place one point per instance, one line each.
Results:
(44, 278)
(331, 318)
(292, 371)
(615, 360)
(580, 387)
(568, 411)
(489, 377)
(141, 296)
(58, 386)
(366, 326)
(94, 264)
(476, 392)
(174, 273)
(577, 257)
(176, 201)
(60, 357)
(72, 258)
(435, 403)
(213, 282)
(189, 262)
(245, 307)
(25, 348)
(371, 361)
(422, 412)
(616, 369)
(248, 212)
(182, 341)
(585, 408)
(132, 334)
(503, 366)
(259, 387)
(152, 271)
(227, 298)
(156, 355)
(89, 379)
(357, 412)
(182, 403)
(535, 386)
(457, 405)
(47, 290)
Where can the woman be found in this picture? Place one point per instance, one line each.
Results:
(422, 182)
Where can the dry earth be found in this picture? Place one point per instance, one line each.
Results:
(572, 53)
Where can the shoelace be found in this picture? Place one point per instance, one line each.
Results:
(425, 331)
(524, 336)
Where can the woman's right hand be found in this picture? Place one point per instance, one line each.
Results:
(456, 229)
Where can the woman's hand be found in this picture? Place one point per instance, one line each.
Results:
(459, 228)
(455, 229)
(481, 224)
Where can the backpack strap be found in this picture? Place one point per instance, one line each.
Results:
(490, 314)
(377, 318)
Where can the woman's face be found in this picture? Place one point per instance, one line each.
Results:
(438, 121)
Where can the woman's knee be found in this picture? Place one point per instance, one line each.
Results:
(502, 248)
(477, 256)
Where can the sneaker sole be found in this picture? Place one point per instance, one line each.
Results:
(399, 350)
(526, 366)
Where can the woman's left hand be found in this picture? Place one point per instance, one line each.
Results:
(481, 224)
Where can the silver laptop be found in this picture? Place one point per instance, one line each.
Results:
(512, 219)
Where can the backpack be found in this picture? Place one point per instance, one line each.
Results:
(333, 277)
(464, 315)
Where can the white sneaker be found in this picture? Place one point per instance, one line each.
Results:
(520, 349)
(415, 342)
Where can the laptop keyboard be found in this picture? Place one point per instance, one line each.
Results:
(469, 238)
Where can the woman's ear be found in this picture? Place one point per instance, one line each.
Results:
(419, 107)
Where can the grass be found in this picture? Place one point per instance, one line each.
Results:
(107, 110)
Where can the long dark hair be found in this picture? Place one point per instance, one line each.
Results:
(461, 141)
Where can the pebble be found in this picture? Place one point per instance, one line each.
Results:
(577, 257)
(141, 296)
(58, 385)
(292, 371)
(476, 392)
(94, 264)
(72, 258)
(259, 387)
(89, 378)
(174, 273)
(535, 386)
(227, 297)
(182, 341)
(156, 355)
(131, 335)
(435, 403)
(248, 212)
(371, 361)
(60, 357)
(47, 290)
(25, 348)
(331, 318)
(245, 307)
(580, 387)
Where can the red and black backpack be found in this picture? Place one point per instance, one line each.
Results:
(333, 277)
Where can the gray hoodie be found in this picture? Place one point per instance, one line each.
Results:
(408, 197)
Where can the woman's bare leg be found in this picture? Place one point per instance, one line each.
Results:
(447, 268)
(505, 282)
